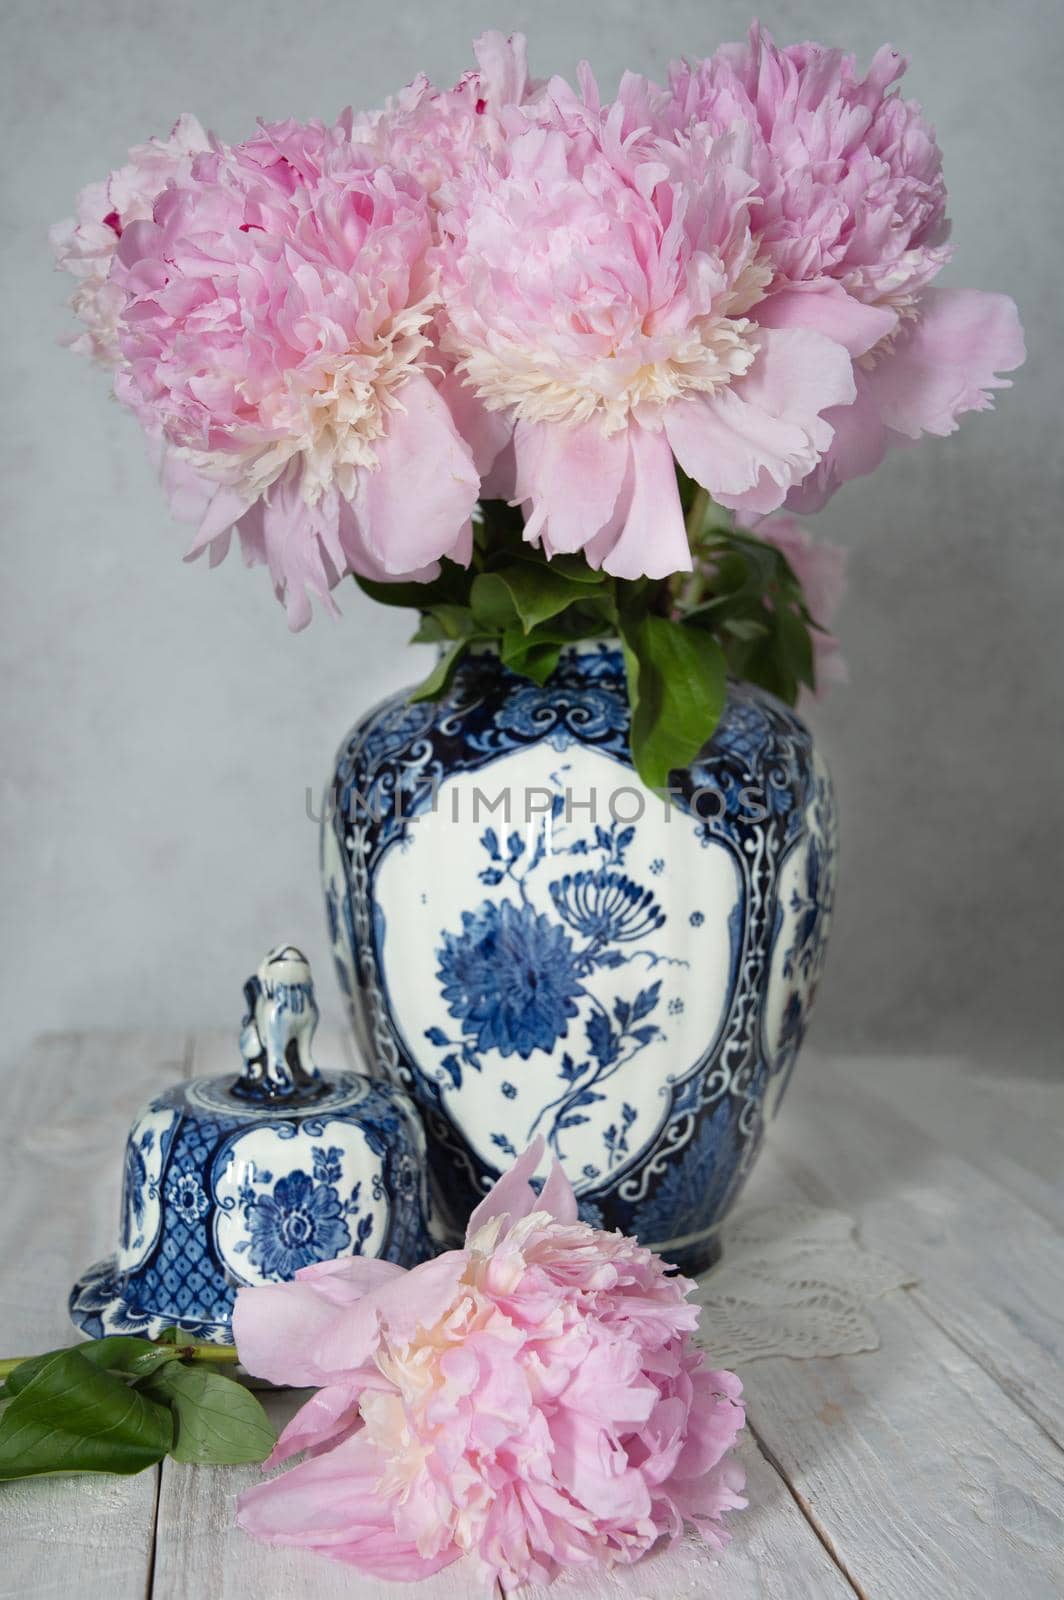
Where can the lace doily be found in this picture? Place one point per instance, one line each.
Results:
(793, 1281)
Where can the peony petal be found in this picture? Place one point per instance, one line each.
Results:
(824, 307)
(652, 542)
(328, 1415)
(223, 509)
(332, 1504)
(512, 1196)
(487, 433)
(302, 545)
(421, 494)
(557, 1196)
(749, 443)
(279, 1330)
(594, 1469)
(358, 555)
(350, 1278)
(947, 361)
(859, 445)
(503, 62)
(572, 474)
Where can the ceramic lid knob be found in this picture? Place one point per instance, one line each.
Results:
(278, 1029)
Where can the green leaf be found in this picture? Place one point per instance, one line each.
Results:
(216, 1420)
(532, 656)
(744, 629)
(433, 686)
(442, 622)
(576, 569)
(72, 1417)
(763, 663)
(493, 604)
(534, 591)
(797, 645)
(117, 1353)
(676, 690)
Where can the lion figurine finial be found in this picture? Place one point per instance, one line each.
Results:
(278, 1027)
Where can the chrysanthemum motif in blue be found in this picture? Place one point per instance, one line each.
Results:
(509, 977)
(299, 1223)
(606, 907)
(516, 978)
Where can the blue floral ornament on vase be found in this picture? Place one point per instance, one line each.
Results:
(245, 1180)
(531, 942)
(509, 978)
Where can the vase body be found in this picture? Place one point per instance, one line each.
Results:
(530, 941)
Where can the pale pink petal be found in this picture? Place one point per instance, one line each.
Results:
(858, 446)
(513, 1195)
(597, 549)
(350, 1278)
(360, 558)
(557, 1196)
(487, 433)
(503, 62)
(825, 307)
(331, 1504)
(947, 361)
(498, 484)
(280, 1330)
(749, 443)
(594, 1469)
(421, 494)
(303, 549)
(572, 474)
(652, 542)
(398, 1308)
(328, 1415)
(223, 509)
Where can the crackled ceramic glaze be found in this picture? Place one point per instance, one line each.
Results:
(244, 1180)
(532, 942)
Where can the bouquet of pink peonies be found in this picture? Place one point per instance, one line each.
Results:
(540, 365)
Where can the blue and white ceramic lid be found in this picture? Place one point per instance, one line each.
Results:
(244, 1180)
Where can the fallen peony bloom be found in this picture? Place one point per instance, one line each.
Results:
(533, 1400)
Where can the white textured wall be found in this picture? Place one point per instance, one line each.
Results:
(160, 726)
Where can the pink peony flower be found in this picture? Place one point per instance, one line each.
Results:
(600, 306)
(852, 218)
(273, 335)
(85, 245)
(532, 1399)
(820, 568)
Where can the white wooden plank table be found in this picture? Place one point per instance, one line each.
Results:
(929, 1469)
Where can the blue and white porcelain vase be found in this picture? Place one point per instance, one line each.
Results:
(533, 942)
(243, 1180)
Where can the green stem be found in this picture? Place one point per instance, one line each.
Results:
(217, 1354)
(220, 1354)
(690, 590)
(697, 515)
